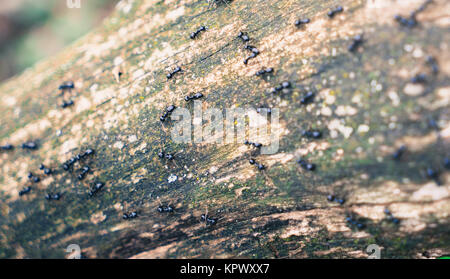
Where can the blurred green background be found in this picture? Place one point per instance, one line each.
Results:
(34, 29)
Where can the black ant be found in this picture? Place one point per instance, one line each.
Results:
(243, 36)
(96, 188)
(411, 21)
(263, 72)
(399, 152)
(168, 156)
(69, 163)
(131, 215)
(284, 87)
(258, 165)
(352, 221)
(165, 209)
(24, 191)
(391, 217)
(434, 175)
(51, 196)
(46, 170)
(68, 85)
(430, 60)
(171, 74)
(33, 178)
(307, 166)
(357, 41)
(332, 13)
(314, 134)
(254, 144)
(7, 147)
(268, 110)
(196, 96)
(307, 98)
(300, 22)
(167, 113)
(208, 220)
(195, 33)
(217, 2)
(332, 198)
(84, 171)
(31, 145)
(67, 104)
(255, 52)
(419, 78)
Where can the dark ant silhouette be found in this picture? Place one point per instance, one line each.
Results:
(24, 191)
(218, 2)
(430, 60)
(131, 215)
(33, 178)
(97, 187)
(52, 196)
(305, 165)
(307, 98)
(84, 171)
(171, 74)
(46, 170)
(313, 134)
(244, 37)
(66, 87)
(419, 78)
(7, 147)
(433, 174)
(333, 198)
(352, 221)
(411, 21)
(254, 144)
(67, 104)
(31, 145)
(258, 165)
(194, 34)
(390, 217)
(332, 13)
(77, 158)
(165, 209)
(253, 54)
(167, 113)
(399, 152)
(301, 22)
(263, 72)
(196, 96)
(267, 110)
(284, 87)
(205, 218)
(356, 43)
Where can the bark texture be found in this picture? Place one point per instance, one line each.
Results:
(365, 105)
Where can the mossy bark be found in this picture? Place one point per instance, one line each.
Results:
(365, 106)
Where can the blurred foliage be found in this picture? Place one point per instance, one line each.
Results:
(32, 30)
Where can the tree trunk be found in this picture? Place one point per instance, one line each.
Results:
(365, 105)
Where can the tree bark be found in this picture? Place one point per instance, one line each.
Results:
(365, 105)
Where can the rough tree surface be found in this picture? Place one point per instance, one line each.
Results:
(365, 105)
